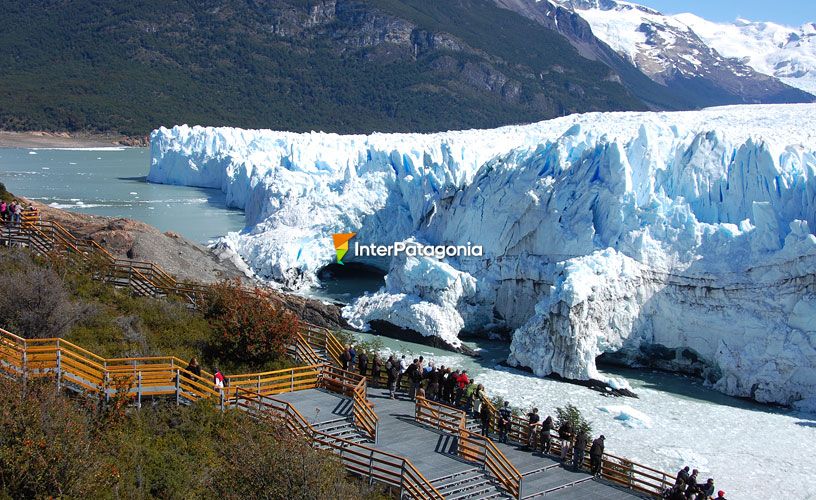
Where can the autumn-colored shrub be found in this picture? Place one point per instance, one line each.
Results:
(247, 328)
(53, 445)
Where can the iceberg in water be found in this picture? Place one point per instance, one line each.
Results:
(677, 240)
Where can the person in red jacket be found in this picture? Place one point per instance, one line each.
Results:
(461, 383)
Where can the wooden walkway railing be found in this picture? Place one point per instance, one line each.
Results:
(471, 446)
(360, 459)
(618, 470)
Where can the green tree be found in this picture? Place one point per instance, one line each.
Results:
(573, 415)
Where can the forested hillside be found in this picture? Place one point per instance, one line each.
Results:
(345, 66)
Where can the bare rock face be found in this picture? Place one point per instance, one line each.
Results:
(184, 259)
(130, 239)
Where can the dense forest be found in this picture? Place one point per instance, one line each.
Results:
(342, 66)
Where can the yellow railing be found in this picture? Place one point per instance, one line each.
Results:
(147, 279)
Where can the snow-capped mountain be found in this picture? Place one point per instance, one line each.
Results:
(772, 49)
(680, 240)
(670, 52)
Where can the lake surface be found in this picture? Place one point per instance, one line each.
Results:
(111, 182)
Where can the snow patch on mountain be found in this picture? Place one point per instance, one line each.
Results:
(773, 49)
(682, 240)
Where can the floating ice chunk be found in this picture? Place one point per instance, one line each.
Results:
(628, 416)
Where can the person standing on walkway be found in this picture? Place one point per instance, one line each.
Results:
(218, 380)
(580, 450)
(440, 396)
(376, 368)
(433, 383)
(546, 434)
(565, 434)
(450, 386)
(596, 455)
(3, 210)
(532, 426)
(415, 377)
(504, 421)
(16, 211)
(683, 475)
(345, 358)
(485, 420)
(352, 357)
(692, 488)
(362, 363)
(469, 391)
(478, 396)
(707, 490)
(461, 383)
(403, 367)
(193, 367)
(394, 373)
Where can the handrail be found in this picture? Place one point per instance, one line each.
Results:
(484, 450)
(471, 446)
(438, 415)
(357, 458)
(152, 280)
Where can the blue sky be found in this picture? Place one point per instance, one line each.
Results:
(790, 12)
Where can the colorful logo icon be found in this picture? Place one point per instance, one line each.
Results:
(341, 244)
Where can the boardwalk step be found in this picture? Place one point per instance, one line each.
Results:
(474, 483)
(473, 493)
(446, 479)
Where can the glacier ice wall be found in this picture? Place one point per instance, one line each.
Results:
(683, 240)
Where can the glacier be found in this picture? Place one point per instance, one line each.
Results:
(678, 240)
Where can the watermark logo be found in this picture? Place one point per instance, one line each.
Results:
(341, 244)
(411, 249)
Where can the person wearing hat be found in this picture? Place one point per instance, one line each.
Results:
(720, 495)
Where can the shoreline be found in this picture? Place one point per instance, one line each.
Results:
(39, 139)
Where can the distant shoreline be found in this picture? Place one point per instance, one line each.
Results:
(66, 140)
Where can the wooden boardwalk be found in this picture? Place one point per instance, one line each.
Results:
(434, 453)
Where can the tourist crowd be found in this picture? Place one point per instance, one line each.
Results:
(455, 388)
(13, 212)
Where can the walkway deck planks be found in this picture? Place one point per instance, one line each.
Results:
(434, 453)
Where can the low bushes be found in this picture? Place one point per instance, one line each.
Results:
(54, 446)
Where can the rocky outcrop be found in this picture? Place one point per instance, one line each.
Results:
(184, 259)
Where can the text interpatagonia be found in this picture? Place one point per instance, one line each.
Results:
(417, 250)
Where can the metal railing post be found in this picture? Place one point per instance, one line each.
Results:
(139, 390)
(292, 380)
(59, 367)
(222, 399)
(25, 361)
(402, 479)
(259, 384)
(105, 384)
(371, 467)
(178, 386)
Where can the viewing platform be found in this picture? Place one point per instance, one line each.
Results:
(435, 454)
